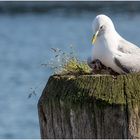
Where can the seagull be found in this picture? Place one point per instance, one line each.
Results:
(112, 50)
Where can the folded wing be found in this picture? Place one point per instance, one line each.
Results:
(128, 57)
(128, 47)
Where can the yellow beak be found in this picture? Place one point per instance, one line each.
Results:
(94, 37)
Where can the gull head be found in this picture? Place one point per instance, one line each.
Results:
(102, 24)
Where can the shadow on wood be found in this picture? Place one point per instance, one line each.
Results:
(90, 106)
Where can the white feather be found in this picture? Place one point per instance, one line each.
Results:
(109, 45)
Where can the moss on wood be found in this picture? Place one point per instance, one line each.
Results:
(88, 87)
(107, 105)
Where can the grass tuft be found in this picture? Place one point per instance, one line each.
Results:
(67, 63)
(76, 67)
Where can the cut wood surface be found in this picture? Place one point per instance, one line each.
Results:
(90, 106)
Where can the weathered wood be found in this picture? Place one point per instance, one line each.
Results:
(89, 106)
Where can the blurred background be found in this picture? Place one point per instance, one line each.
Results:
(28, 31)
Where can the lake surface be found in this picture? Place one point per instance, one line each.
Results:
(25, 43)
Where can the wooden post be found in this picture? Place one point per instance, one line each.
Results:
(90, 106)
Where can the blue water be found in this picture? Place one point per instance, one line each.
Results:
(25, 42)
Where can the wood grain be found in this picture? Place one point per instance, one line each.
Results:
(90, 106)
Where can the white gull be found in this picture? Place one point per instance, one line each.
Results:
(113, 50)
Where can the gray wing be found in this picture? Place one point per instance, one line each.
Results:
(128, 63)
(128, 47)
(128, 57)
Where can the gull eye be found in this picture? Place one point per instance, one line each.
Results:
(102, 27)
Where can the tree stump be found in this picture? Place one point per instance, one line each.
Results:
(90, 106)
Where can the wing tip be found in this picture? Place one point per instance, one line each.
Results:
(118, 63)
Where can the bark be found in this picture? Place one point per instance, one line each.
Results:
(90, 106)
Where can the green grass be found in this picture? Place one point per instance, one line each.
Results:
(66, 63)
(75, 67)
